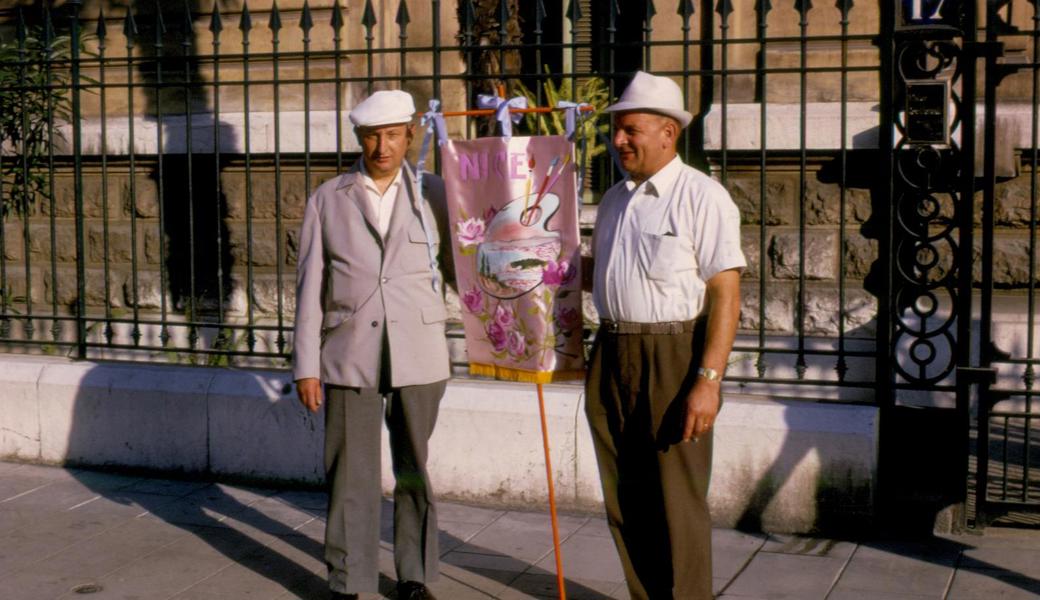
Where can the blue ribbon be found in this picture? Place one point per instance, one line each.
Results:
(573, 115)
(432, 122)
(434, 119)
(501, 107)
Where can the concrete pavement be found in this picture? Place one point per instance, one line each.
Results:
(67, 533)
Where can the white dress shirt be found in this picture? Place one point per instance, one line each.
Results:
(657, 243)
(380, 206)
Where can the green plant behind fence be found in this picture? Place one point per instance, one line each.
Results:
(591, 90)
(34, 97)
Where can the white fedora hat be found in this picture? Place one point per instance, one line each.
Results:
(653, 93)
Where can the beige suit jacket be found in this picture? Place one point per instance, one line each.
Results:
(350, 283)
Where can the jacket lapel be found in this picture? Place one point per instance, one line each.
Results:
(404, 211)
(353, 190)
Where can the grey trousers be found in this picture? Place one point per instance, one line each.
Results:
(352, 466)
(655, 486)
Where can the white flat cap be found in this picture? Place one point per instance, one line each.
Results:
(653, 93)
(385, 107)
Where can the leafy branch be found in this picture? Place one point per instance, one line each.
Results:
(34, 95)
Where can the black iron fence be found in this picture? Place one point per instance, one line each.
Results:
(154, 214)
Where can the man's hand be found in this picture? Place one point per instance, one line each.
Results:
(309, 392)
(702, 405)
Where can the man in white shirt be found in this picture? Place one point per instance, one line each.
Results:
(666, 283)
(369, 345)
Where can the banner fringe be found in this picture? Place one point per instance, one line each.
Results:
(522, 375)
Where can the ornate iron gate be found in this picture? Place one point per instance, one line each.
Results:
(929, 68)
(1008, 465)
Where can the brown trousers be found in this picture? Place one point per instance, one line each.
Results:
(655, 486)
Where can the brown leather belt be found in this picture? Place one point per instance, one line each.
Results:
(628, 328)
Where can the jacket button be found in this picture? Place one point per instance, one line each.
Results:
(386, 279)
(375, 323)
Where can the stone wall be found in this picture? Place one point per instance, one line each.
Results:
(245, 254)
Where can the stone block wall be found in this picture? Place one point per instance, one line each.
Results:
(246, 240)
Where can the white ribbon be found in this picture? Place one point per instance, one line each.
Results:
(501, 107)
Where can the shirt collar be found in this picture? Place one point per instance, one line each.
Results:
(661, 181)
(370, 184)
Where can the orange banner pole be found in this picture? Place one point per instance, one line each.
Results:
(552, 498)
(487, 112)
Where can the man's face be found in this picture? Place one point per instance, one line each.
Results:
(645, 142)
(384, 148)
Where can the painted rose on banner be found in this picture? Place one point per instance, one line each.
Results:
(514, 213)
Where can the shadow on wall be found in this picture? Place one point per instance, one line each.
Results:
(198, 427)
(126, 416)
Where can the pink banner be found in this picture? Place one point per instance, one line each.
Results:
(513, 209)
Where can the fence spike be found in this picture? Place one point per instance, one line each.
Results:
(613, 14)
(306, 22)
(762, 7)
(574, 12)
(845, 6)
(368, 19)
(725, 9)
(503, 20)
(651, 11)
(337, 16)
(160, 24)
(189, 23)
(803, 7)
(48, 25)
(245, 23)
(129, 27)
(469, 15)
(402, 19)
(216, 24)
(275, 22)
(102, 31)
(22, 31)
(539, 15)
(685, 9)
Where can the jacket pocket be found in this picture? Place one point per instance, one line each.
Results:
(417, 235)
(436, 313)
(335, 318)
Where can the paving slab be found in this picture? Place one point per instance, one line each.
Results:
(134, 537)
(87, 562)
(781, 575)
(906, 568)
(876, 595)
(971, 584)
(527, 536)
(731, 551)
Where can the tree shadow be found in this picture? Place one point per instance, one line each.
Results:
(193, 147)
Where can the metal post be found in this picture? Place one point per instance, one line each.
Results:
(77, 162)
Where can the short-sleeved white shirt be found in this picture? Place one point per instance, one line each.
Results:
(380, 206)
(657, 243)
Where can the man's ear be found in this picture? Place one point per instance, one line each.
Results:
(410, 131)
(672, 130)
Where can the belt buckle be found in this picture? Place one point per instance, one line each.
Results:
(612, 326)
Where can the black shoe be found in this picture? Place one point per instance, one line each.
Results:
(342, 596)
(413, 590)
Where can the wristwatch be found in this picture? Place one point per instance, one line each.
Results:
(709, 374)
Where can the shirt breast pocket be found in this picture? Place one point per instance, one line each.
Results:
(665, 255)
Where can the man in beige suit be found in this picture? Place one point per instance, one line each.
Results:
(370, 328)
